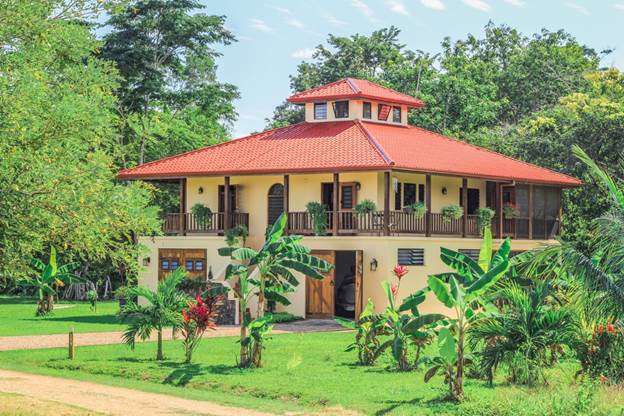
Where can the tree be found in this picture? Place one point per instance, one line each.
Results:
(58, 138)
(163, 309)
(267, 274)
(463, 291)
(170, 98)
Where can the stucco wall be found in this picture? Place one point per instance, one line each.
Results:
(383, 249)
(355, 112)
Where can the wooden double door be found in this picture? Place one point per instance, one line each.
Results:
(321, 293)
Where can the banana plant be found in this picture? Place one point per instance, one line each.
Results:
(463, 291)
(52, 276)
(269, 274)
(367, 332)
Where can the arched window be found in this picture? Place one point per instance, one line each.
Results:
(276, 202)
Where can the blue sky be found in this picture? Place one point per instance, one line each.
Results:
(274, 36)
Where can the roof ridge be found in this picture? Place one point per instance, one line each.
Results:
(212, 146)
(411, 97)
(492, 152)
(371, 139)
(309, 90)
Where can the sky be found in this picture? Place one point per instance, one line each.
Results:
(275, 36)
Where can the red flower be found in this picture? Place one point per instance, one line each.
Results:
(610, 328)
(185, 316)
(399, 271)
(394, 289)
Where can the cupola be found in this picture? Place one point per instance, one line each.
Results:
(351, 99)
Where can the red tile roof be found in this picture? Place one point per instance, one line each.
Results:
(355, 88)
(346, 146)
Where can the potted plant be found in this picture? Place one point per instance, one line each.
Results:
(237, 235)
(318, 212)
(451, 212)
(121, 296)
(365, 206)
(510, 212)
(202, 214)
(417, 208)
(484, 218)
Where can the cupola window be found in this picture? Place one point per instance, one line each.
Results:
(320, 111)
(396, 114)
(366, 111)
(341, 109)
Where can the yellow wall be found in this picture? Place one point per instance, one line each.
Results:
(383, 249)
(355, 112)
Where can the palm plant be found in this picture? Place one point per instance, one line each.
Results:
(163, 308)
(51, 278)
(601, 268)
(268, 274)
(521, 336)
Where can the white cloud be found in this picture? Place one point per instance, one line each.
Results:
(333, 20)
(397, 6)
(517, 3)
(362, 7)
(261, 26)
(619, 6)
(578, 8)
(433, 4)
(282, 9)
(305, 53)
(478, 4)
(296, 23)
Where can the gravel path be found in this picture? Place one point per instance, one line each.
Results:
(111, 400)
(101, 338)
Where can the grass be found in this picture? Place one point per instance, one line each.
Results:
(17, 317)
(310, 372)
(18, 405)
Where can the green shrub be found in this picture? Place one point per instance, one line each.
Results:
(203, 215)
(418, 209)
(365, 206)
(510, 212)
(282, 317)
(237, 235)
(602, 355)
(451, 212)
(484, 218)
(319, 217)
(92, 297)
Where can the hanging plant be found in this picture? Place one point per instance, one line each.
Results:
(237, 235)
(319, 217)
(202, 214)
(418, 209)
(451, 212)
(484, 218)
(365, 206)
(510, 212)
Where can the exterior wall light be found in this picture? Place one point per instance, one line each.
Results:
(200, 190)
(373, 265)
(146, 261)
(444, 191)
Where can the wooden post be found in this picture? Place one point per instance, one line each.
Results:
(428, 205)
(71, 349)
(226, 204)
(386, 212)
(464, 191)
(182, 230)
(559, 214)
(531, 212)
(286, 207)
(499, 210)
(336, 203)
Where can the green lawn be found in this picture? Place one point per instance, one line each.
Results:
(17, 317)
(308, 372)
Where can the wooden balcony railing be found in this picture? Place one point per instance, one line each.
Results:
(188, 223)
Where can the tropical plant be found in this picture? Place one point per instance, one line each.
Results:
(47, 283)
(600, 267)
(237, 235)
(602, 354)
(267, 274)
(92, 297)
(418, 209)
(523, 333)
(202, 214)
(162, 308)
(365, 206)
(451, 212)
(484, 218)
(403, 327)
(199, 317)
(318, 212)
(367, 331)
(464, 292)
(510, 211)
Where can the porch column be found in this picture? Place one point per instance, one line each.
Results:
(386, 213)
(336, 203)
(226, 204)
(182, 229)
(428, 205)
(286, 192)
(531, 191)
(499, 210)
(465, 206)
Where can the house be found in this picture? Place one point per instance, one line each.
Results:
(355, 144)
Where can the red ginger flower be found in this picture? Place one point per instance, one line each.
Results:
(399, 271)
(395, 289)
(610, 328)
